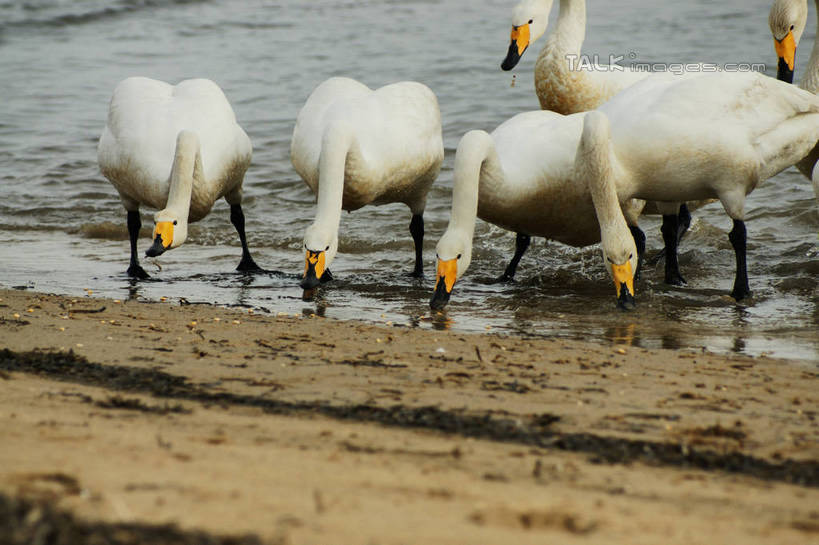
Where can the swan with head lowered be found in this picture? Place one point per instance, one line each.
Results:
(716, 135)
(566, 85)
(712, 135)
(177, 149)
(538, 172)
(787, 20)
(354, 146)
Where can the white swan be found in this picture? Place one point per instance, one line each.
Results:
(177, 149)
(566, 85)
(716, 135)
(787, 20)
(533, 174)
(354, 146)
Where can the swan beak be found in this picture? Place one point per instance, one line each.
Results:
(163, 238)
(313, 269)
(519, 43)
(447, 270)
(624, 283)
(786, 51)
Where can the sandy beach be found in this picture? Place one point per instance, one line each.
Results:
(173, 423)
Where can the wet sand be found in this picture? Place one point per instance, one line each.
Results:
(173, 423)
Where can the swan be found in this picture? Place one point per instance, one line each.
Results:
(712, 135)
(565, 85)
(355, 146)
(787, 20)
(176, 149)
(534, 174)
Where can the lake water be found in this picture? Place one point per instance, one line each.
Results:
(62, 228)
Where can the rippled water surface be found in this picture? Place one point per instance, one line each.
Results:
(62, 228)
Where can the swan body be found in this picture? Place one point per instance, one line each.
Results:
(354, 146)
(176, 149)
(530, 176)
(715, 135)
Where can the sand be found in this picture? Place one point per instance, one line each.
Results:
(171, 423)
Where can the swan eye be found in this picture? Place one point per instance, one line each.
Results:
(531, 21)
(459, 256)
(174, 222)
(791, 27)
(609, 260)
(630, 256)
(327, 248)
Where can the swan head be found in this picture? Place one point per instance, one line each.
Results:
(170, 231)
(787, 20)
(320, 247)
(454, 254)
(620, 257)
(529, 21)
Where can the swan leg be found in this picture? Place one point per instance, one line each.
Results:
(738, 237)
(237, 218)
(417, 231)
(639, 241)
(134, 225)
(521, 245)
(671, 234)
(684, 218)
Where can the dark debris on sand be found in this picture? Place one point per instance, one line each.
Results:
(533, 430)
(25, 522)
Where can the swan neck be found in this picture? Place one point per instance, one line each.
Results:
(811, 80)
(475, 150)
(570, 30)
(595, 162)
(335, 146)
(187, 165)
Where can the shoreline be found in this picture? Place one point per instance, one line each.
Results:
(308, 429)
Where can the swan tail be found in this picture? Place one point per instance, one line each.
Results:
(787, 144)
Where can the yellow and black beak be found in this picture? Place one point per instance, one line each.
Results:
(163, 238)
(313, 269)
(786, 51)
(624, 283)
(519, 43)
(445, 281)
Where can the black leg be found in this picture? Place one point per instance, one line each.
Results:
(684, 222)
(670, 230)
(134, 225)
(417, 231)
(738, 237)
(521, 244)
(640, 242)
(237, 218)
(684, 219)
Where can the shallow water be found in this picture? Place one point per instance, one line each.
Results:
(62, 228)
